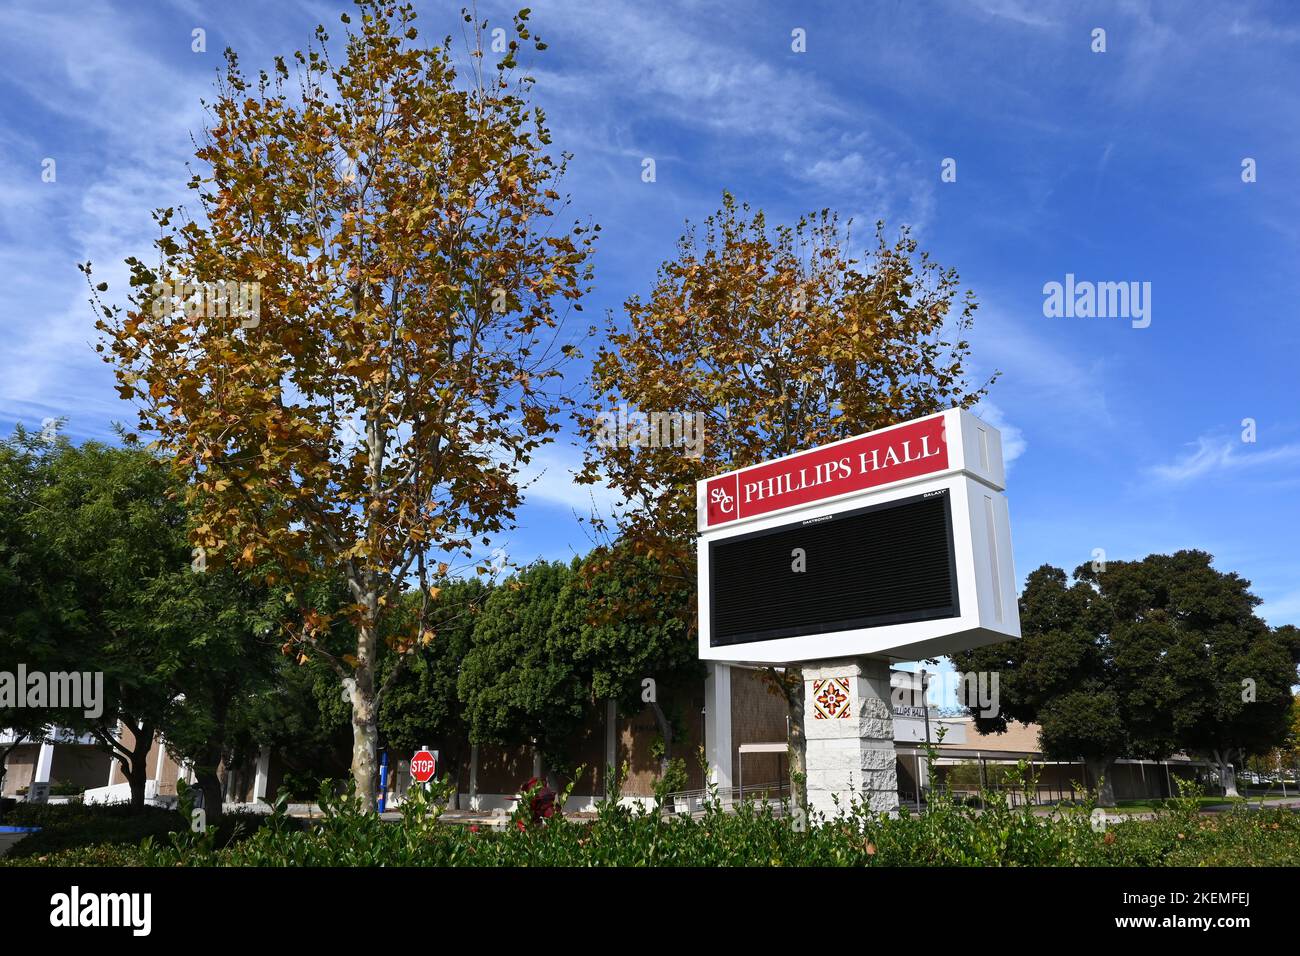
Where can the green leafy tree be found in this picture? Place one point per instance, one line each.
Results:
(1284, 758)
(1062, 675)
(110, 528)
(107, 584)
(519, 682)
(1142, 658)
(782, 339)
(627, 621)
(305, 722)
(394, 214)
(422, 704)
(224, 630)
(26, 632)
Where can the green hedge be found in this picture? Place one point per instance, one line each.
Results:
(108, 835)
(946, 835)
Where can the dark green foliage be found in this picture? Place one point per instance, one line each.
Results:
(1143, 658)
(101, 575)
(305, 721)
(93, 830)
(421, 703)
(555, 640)
(519, 680)
(626, 620)
(946, 835)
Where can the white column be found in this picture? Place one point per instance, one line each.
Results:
(473, 776)
(717, 725)
(38, 791)
(158, 764)
(849, 724)
(263, 771)
(44, 762)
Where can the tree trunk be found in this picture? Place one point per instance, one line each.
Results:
(365, 712)
(365, 729)
(205, 767)
(1099, 772)
(138, 769)
(796, 740)
(209, 784)
(1227, 774)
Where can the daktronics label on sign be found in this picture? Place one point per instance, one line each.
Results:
(908, 451)
(894, 544)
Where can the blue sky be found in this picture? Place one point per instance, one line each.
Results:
(1115, 166)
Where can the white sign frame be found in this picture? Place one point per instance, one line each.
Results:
(981, 534)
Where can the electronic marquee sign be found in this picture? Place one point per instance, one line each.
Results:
(893, 544)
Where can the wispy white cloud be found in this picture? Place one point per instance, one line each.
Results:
(1260, 29)
(1037, 371)
(694, 78)
(1222, 455)
(116, 118)
(637, 71)
(1023, 12)
(549, 479)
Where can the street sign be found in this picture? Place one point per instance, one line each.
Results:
(423, 766)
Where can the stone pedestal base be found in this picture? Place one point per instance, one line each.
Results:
(849, 726)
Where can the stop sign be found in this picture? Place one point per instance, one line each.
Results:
(423, 767)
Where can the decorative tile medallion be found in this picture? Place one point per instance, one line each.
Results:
(831, 698)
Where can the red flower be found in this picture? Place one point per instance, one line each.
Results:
(542, 803)
(473, 828)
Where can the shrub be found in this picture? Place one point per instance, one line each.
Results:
(947, 834)
(113, 832)
(72, 825)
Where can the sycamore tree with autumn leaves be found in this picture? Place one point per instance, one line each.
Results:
(783, 339)
(364, 413)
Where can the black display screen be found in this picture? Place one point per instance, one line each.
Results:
(883, 564)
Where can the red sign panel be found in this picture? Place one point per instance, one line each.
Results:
(423, 767)
(908, 451)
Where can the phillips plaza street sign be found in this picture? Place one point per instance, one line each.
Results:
(889, 546)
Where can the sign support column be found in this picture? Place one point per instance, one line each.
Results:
(849, 725)
(717, 727)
